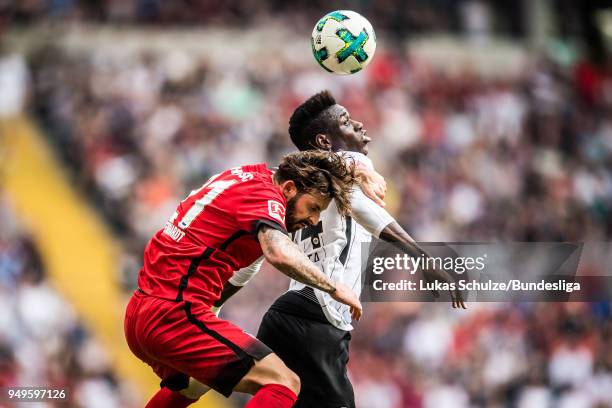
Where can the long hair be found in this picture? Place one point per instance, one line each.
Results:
(320, 172)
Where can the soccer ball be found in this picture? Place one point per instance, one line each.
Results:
(343, 42)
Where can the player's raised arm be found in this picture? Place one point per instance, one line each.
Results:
(395, 234)
(282, 253)
(371, 182)
(378, 222)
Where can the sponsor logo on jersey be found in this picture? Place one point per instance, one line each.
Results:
(276, 210)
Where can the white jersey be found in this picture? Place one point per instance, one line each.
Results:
(335, 245)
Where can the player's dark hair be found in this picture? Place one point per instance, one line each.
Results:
(308, 120)
(319, 172)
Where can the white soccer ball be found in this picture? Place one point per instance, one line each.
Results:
(343, 42)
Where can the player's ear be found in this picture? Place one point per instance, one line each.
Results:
(322, 142)
(289, 189)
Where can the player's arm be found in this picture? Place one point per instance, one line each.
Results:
(283, 254)
(378, 222)
(237, 282)
(394, 233)
(371, 182)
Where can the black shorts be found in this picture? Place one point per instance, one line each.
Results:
(298, 332)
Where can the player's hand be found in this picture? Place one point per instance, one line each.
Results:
(457, 299)
(372, 184)
(344, 294)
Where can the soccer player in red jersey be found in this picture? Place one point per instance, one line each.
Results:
(308, 330)
(226, 225)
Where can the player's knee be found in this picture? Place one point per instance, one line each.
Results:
(195, 389)
(293, 382)
(269, 370)
(285, 376)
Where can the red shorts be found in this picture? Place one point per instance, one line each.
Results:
(182, 339)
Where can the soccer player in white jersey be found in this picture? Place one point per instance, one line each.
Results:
(307, 328)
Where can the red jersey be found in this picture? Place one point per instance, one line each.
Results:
(211, 235)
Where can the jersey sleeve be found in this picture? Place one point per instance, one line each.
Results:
(244, 275)
(368, 214)
(261, 205)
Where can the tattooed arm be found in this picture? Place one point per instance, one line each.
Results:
(283, 254)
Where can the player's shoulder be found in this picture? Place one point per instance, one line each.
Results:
(257, 181)
(359, 158)
(260, 171)
(255, 175)
(257, 196)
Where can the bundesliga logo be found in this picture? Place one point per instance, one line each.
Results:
(276, 210)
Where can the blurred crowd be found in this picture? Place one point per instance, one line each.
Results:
(495, 355)
(525, 158)
(467, 157)
(398, 17)
(42, 341)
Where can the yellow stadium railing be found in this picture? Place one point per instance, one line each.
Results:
(78, 250)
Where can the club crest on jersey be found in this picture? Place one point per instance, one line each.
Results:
(276, 210)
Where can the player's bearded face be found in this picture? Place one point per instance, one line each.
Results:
(304, 209)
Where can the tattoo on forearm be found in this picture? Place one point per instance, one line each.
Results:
(300, 269)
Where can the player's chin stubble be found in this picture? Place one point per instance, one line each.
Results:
(292, 223)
